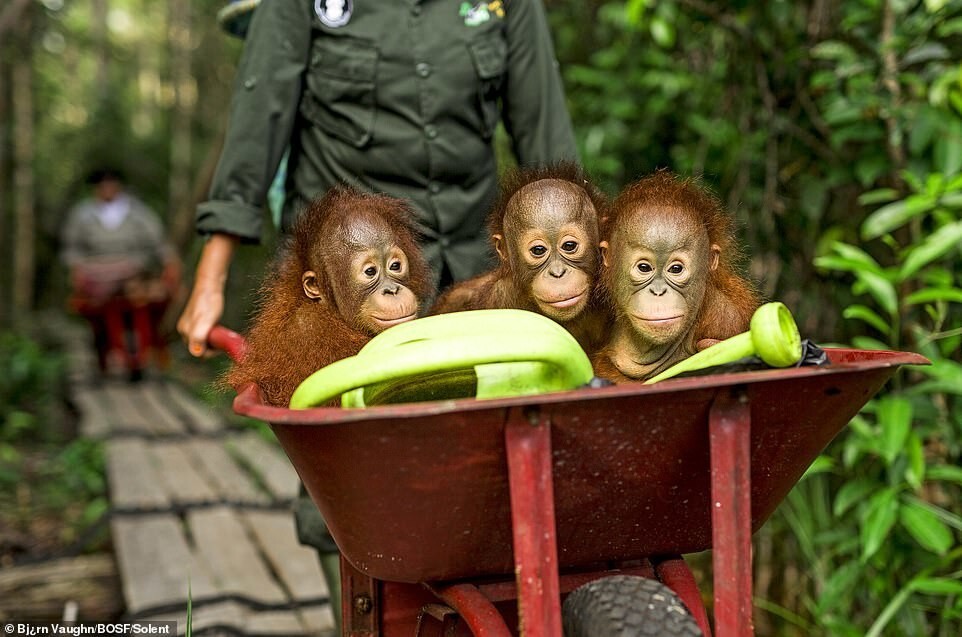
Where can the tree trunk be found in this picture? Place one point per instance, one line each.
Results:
(24, 229)
(101, 40)
(6, 243)
(185, 91)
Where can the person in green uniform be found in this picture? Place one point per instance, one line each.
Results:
(400, 98)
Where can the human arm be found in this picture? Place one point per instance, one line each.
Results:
(534, 109)
(264, 105)
(71, 239)
(205, 306)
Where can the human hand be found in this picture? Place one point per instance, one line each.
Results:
(206, 303)
(203, 311)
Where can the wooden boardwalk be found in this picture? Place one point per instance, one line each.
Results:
(198, 507)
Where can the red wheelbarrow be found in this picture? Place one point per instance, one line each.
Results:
(461, 517)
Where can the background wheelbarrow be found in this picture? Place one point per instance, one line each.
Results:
(461, 517)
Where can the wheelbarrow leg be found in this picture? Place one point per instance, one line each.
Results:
(528, 443)
(729, 423)
(675, 574)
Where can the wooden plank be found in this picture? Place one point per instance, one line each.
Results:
(234, 561)
(231, 482)
(200, 417)
(269, 462)
(275, 623)
(129, 414)
(319, 620)
(229, 615)
(156, 564)
(296, 565)
(96, 419)
(153, 397)
(184, 483)
(133, 479)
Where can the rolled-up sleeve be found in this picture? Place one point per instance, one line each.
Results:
(267, 93)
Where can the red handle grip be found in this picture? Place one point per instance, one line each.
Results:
(228, 341)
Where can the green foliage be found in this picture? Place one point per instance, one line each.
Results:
(29, 386)
(834, 132)
(899, 485)
(42, 473)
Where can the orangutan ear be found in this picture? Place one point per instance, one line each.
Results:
(603, 246)
(715, 257)
(312, 287)
(499, 246)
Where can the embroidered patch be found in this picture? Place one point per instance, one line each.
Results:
(481, 12)
(334, 13)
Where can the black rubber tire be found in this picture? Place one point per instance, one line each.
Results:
(626, 606)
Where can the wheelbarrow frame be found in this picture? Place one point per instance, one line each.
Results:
(381, 598)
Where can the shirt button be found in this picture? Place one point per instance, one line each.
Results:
(423, 69)
(445, 242)
(431, 131)
(416, 10)
(434, 187)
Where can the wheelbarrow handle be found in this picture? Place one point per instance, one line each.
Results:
(228, 341)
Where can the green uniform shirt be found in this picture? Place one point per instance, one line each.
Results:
(395, 97)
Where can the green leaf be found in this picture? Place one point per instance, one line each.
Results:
(895, 420)
(854, 253)
(931, 295)
(915, 471)
(948, 517)
(948, 151)
(930, 533)
(895, 215)
(889, 611)
(925, 53)
(880, 516)
(881, 290)
(867, 342)
(945, 473)
(851, 493)
(949, 27)
(877, 196)
(862, 313)
(634, 10)
(951, 200)
(833, 50)
(837, 586)
(937, 585)
(662, 32)
(840, 264)
(822, 464)
(935, 246)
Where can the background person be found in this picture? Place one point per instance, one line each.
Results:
(122, 273)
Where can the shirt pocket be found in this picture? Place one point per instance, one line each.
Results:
(489, 52)
(340, 88)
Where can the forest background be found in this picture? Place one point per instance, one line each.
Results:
(831, 129)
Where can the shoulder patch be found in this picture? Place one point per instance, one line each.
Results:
(334, 13)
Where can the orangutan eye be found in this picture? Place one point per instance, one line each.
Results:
(395, 266)
(676, 268)
(644, 267)
(569, 246)
(370, 270)
(539, 251)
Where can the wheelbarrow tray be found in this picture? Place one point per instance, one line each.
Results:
(419, 492)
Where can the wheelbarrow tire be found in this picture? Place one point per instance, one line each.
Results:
(626, 606)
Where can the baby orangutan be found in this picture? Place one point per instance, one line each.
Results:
(545, 231)
(350, 270)
(669, 277)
